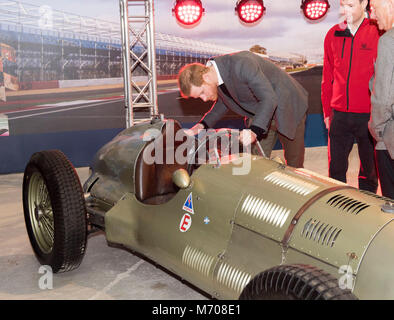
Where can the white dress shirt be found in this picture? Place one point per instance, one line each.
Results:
(213, 63)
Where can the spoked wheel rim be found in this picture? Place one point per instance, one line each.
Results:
(41, 213)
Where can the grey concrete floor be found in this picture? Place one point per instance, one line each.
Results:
(105, 273)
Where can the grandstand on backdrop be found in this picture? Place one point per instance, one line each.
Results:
(52, 45)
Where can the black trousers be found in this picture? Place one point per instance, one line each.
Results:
(293, 149)
(386, 173)
(345, 129)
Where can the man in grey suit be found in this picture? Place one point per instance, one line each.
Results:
(257, 89)
(381, 124)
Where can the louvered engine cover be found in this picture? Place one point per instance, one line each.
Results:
(313, 214)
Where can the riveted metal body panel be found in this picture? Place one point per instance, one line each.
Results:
(248, 254)
(338, 232)
(225, 227)
(294, 256)
(274, 195)
(155, 231)
(375, 278)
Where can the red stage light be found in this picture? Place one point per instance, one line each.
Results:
(315, 9)
(250, 11)
(188, 12)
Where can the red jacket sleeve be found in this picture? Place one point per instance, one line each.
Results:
(328, 75)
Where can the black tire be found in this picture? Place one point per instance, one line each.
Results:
(295, 282)
(56, 219)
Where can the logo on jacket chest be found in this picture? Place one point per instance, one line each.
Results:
(364, 46)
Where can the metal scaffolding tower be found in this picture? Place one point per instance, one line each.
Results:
(137, 30)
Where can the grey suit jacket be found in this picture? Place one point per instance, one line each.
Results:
(381, 123)
(259, 90)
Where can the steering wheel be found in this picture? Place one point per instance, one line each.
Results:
(212, 138)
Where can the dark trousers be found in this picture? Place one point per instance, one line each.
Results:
(345, 129)
(386, 173)
(294, 149)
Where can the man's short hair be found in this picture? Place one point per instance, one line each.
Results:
(189, 75)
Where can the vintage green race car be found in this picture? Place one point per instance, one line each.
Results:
(274, 233)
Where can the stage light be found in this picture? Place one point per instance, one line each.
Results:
(188, 12)
(250, 11)
(315, 9)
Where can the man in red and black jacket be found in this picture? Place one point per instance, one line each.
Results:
(350, 51)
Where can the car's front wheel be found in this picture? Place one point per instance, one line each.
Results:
(54, 210)
(295, 282)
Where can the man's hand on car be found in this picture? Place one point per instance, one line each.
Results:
(194, 130)
(247, 137)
